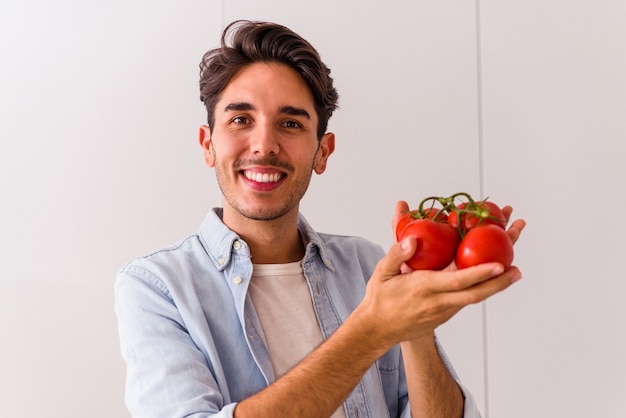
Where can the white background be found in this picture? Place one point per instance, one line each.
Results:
(521, 101)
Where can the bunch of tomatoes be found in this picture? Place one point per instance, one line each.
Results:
(456, 228)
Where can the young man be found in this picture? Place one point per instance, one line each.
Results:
(258, 315)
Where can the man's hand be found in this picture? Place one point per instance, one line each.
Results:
(407, 305)
(516, 227)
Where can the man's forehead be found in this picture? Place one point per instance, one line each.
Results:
(264, 83)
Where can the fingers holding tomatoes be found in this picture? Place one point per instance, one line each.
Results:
(474, 284)
(515, 230)
(516, 227)
(402, 307)
(459, 229)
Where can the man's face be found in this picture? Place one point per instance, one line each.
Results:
(264, 145)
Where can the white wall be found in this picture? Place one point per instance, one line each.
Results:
(554, 94)
(99, 110)
(520, 101)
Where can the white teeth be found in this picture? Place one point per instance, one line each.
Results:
(262, 177)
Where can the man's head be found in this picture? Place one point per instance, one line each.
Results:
(246, 42)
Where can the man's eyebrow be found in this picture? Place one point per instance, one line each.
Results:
(289, 110)
(295, 111)
(237, 106)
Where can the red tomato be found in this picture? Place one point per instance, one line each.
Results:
(483, 213)
(484, 244)
(436, 244)
(404, 220)
(410, 216)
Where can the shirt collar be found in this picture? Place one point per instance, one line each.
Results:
(315, 247)
(218, 241)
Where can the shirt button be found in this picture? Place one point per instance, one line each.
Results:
(237, 245)
(237, 280)
(221, 261)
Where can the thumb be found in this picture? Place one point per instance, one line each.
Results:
(401, 209)
(390, 265)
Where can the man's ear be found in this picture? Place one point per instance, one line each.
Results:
(326, 147)
(204, 138)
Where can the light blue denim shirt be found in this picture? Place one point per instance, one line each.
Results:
(193, 343)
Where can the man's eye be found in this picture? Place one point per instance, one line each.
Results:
(291, 124)
(240, 120)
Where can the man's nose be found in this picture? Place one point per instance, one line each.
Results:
(264, 140)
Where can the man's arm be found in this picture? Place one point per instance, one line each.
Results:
(429, 299)
(432, 390)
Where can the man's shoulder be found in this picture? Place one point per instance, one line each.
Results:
(171, 255)
(211, 235)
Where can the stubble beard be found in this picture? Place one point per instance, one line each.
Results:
(262, 212)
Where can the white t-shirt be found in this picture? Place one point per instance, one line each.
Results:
(281, 297)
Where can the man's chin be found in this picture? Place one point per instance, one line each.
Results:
(264, 214)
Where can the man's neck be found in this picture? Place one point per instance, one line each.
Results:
(275, 241)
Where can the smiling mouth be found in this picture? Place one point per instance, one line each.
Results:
(263, 177)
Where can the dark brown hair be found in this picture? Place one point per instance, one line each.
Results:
(245, 42)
